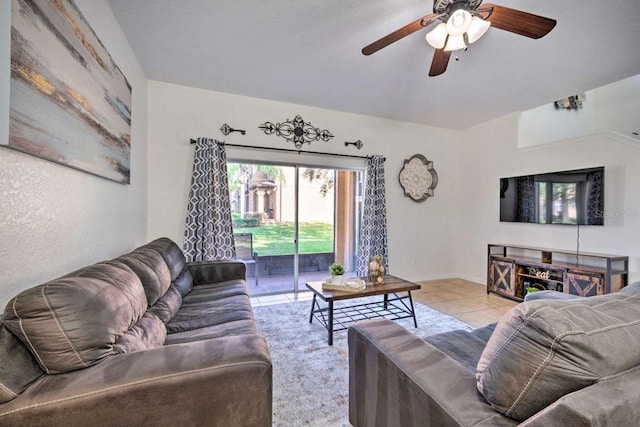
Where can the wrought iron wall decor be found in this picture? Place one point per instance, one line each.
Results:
(297, 131)
(226, 130)
(573, 102)
(418, 178)
(358, 144)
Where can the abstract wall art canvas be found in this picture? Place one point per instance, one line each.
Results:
(69, 101)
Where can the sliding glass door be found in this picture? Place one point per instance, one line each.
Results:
(291, 222)
(316, 223)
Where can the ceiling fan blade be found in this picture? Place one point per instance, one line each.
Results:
(399, 33)
(516, 21)
(439, 63)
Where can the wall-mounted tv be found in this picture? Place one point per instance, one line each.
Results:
(574, 197)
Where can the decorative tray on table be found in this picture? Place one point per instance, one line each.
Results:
(350, 285)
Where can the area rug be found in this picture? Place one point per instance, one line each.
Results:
(311, 378)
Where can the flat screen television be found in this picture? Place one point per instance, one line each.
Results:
(574, 197)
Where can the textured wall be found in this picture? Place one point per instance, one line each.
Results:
(419, 233)
(54, 219)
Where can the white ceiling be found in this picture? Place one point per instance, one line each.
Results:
(308, 52)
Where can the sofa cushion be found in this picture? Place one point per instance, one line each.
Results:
(152, 271)
(168, 305)
(213, 291)
(184, 282)
(72, 322)
(236, 327)
(465, 347)
(117, 274)
(149, 332)
(632, 289)
(18, 368)
(197, 313)
(172, 254)
(542, 350)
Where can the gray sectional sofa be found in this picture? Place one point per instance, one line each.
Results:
(143, 339)
(548, 362)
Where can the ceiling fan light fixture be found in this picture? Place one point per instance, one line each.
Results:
(459, 22)
(455, 43)
(477, 29)
(438, 36)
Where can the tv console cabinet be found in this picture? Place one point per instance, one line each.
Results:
(513, 268)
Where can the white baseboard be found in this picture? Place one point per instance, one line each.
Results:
(427, 278)
(476, 280)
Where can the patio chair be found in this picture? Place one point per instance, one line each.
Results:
(245, 252)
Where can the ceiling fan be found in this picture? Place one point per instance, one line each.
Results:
(463, 22)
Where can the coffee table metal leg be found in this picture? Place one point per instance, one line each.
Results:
(313, 306)
(330, 325)
(413, 311)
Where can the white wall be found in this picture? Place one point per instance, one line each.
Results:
(419, 234)
(489, 151)
(613, 108)
(54, 219)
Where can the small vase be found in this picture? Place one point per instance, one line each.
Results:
(376, 270)
(337, 280)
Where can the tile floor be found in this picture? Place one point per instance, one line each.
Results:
(462, 299)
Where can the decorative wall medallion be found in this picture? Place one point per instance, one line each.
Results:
(296, 131)
(418, 178)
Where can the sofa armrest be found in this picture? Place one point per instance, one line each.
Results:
(218, 382)
(396, 378)
(205, 272)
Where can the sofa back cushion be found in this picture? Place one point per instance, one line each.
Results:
(184, 282)
(149, 332)
(152, 271)
(171, 253)
(168, 305)
(72, 322)
(18, 368)
(542, 350)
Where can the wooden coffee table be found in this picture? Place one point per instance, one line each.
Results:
(392, 306)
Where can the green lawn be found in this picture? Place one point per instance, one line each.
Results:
(277, 239)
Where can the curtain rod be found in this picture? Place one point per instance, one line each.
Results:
(288, 150)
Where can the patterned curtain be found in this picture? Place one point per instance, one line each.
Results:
(208, 234)
(526, 199)
(373, 227)
(595, 206)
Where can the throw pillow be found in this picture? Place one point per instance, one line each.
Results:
(542, 350)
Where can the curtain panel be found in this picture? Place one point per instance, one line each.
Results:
(208, 232)
(373, 226)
